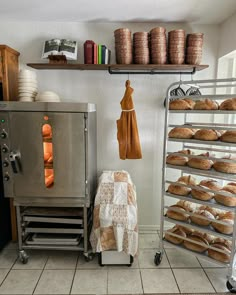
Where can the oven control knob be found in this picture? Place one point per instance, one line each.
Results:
(6, 177)
(4, 149)
(5, 164)
(3, 135)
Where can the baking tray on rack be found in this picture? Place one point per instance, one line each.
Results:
(51, 239)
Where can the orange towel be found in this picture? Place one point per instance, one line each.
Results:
(127, 129)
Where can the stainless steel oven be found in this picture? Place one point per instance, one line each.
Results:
(48, 155)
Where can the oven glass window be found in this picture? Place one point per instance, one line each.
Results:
(48, 155)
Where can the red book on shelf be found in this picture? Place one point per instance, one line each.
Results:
(88, 52)
(95, 54)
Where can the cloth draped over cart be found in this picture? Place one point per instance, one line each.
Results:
(115, 225)
(127, 129)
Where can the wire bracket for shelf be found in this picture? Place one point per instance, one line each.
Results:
(118, 71)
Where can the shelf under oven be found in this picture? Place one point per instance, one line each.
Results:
(36, 227)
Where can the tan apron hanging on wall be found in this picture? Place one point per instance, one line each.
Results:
(127, 129)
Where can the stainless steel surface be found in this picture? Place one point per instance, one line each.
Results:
(64, 107)
(74, 166)
(205, 142)
(205, 126)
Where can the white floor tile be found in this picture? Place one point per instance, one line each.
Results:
(121, 281)
(146, 259)
(92, 264)
(204, 263)
(158, 281)
(3, 273)
(37, 260)
(7, 258)
(55, 282)
(192, 281)
(150, 241)
(20, 282)
(178, 258)
(62, 260)
(217, 276)
(92, 281)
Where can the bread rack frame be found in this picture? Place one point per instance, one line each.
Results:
(192, 144)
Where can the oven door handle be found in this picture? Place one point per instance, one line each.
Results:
(14, 158)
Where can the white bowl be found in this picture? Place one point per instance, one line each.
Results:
(47, 96)
(27, 88)
(26, 84)
(26, 99)
(27, 73)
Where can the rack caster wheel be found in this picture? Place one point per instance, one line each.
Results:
(23, 257)
(230, 287)
(158, 258)
(88, 257)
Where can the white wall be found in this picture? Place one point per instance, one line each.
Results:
(107, 90)
(227, 42)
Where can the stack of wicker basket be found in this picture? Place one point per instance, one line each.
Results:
(176, 45)
(123, 46)
(194, 48)
(141, 48)
(158, 45)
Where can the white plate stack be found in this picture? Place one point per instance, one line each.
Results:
(27, 85)
(47, 96)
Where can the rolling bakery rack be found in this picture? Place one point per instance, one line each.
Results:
(199, 119)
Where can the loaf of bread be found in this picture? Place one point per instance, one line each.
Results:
(198, 163)
(226, 167)
(220, 244)
(206, 104)
(178, 231)
(176, 189)
(197, 237)
(178, 160)
(202, 212)
(229, 136)
(207, 184)
(227, 217)
(227, 200)
(184, 206)
(207, 134)
(183, 133)
(228, 104)
(181, 104)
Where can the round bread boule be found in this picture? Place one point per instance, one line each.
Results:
(198, 163)
(226, 200)
(228, 104)
(226, 167)
(178, 231)
(206, 104)
(229, 136)
(207, 134)
(177, 159)
(181, 104)
(179, 132)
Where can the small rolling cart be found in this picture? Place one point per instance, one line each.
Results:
(221, 121)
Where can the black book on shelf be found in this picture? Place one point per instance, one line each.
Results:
(103, 53)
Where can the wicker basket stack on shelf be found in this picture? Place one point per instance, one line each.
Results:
(194, 48)
(141, 48)
(176, 46)
(158, 45)
(123, 46)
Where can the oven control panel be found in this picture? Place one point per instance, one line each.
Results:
(5, 153)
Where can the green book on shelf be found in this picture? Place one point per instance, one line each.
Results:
(99, 54)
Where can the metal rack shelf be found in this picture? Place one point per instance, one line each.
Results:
(205, 142)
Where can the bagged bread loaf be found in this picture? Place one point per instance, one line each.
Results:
(181, 104)
(183, 133)
(226, 167)
(207, 184)
(227, 200)
(178, 160)
(223, 245)
(228, 104)
(206, 104)
(198, 163)
(178, 231)
(207, 134)
(227, 217)
(176, 189)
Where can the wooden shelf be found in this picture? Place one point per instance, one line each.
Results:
(123, 69)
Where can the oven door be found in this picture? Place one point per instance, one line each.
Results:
(68, 147)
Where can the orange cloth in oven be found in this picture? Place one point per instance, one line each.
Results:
(127, 129)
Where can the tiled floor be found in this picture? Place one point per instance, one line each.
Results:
(50, 272)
